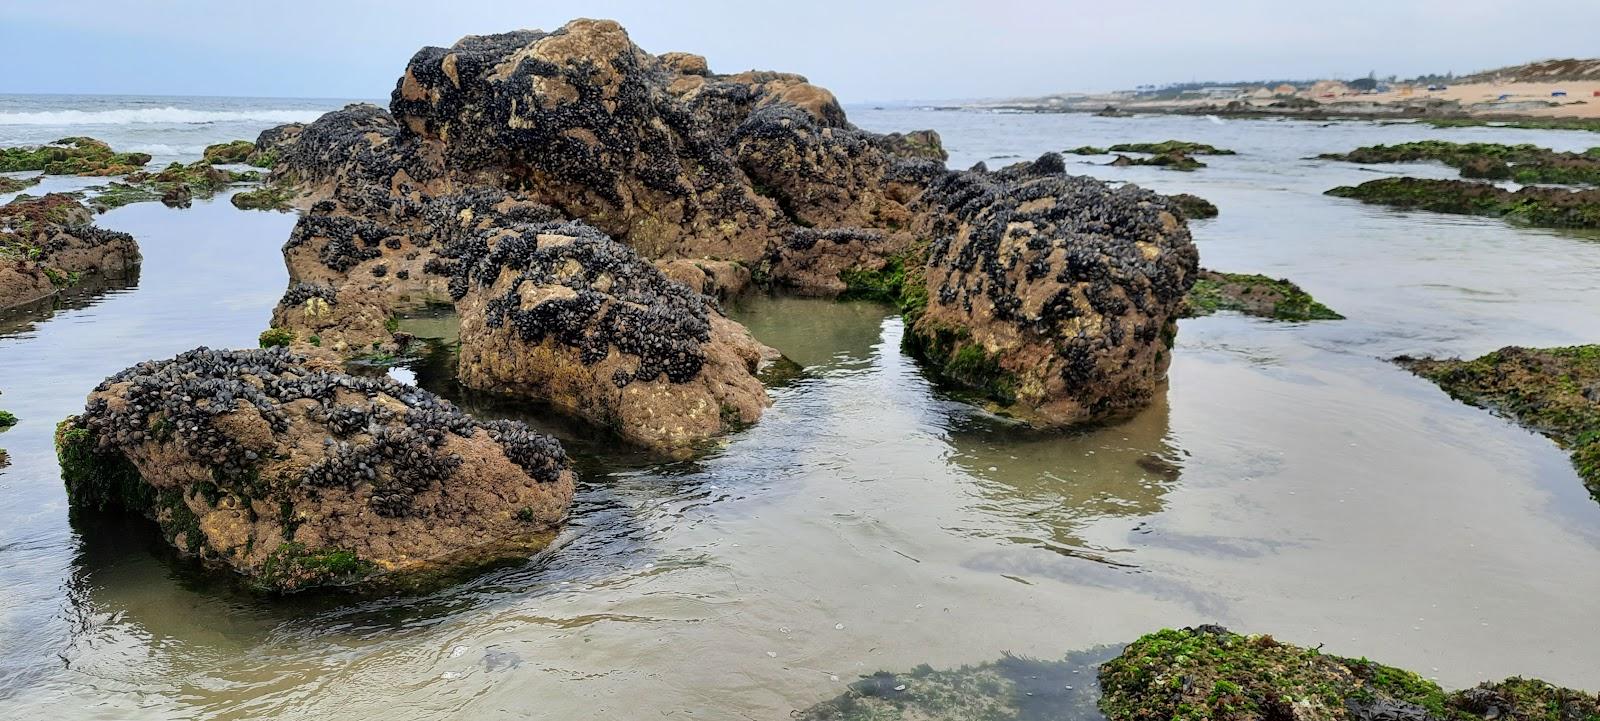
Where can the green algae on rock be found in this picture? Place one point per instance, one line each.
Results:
(1555, 391)
(270, 196)
(1183, 147)
(1539, 206)
(1193, 207)
(72, 156)
(1524, 163)
(236, 151)
(1173, 160)
(11, 185)
(1253, 294)
(47, 243)
(1208, 673)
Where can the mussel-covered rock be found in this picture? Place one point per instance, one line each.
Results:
(562, 313)
(294, 476)
(1055, 296)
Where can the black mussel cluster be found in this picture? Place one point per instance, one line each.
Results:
(300, 292)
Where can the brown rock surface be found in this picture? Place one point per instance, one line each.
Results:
(296, 477)
(47, 243)
(564, 314)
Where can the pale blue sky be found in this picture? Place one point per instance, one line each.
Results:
(864, 50)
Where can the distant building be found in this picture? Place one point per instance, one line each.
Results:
(1328, 89)
(1262, 93)
(1284, 89)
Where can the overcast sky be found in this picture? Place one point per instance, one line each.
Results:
(864, 50)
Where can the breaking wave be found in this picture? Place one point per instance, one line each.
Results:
(168, 115)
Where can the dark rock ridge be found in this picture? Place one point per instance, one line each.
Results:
(47, 243)
(294, 476)
(1533, 205)
(1524, 163)
(720, 180)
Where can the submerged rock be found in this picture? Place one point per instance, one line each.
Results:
(1555, 391)
(296, 477)
(1253, 294)
(1011, 687)
(564, 314)
(72, 156)
(1184, 147)
(47, 243)
(1540, 206)
(1208, 672)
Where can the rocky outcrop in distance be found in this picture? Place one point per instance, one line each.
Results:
(1052, 297)
(48, 243)
(295, 476)
(1524, 163)
(1534, 205)
(72, 156)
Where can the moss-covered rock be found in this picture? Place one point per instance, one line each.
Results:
(1172, 160)
(1193, 207)
(1211, 674)
(1540, 206)
(7, 419)
(72, 156)
(9, 184)
(1555, 391)
(47, 243)
(1182, 147)
(270, 196)
(237, 151)
(1524, 163)
(1253, 294)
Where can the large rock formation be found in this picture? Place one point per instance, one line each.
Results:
(1052, 295)
(47, 243)
(296, 477)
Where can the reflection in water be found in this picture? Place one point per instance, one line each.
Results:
(1045, 486)
(24, 318)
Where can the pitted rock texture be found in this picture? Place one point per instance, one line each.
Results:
(562, 313)
(1057, 296)
(47, 243)
(295, 477)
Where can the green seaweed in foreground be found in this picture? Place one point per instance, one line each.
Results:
(1212, 674)
(1253, 294)
(1555, 391)
(1539, 206)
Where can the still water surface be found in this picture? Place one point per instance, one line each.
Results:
(1288, 480)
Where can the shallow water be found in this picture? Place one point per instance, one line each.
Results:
(1288, 481)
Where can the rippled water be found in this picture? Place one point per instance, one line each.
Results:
(1288, 481)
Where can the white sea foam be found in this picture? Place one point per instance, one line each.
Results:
(167, 115)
